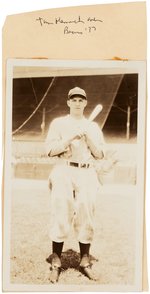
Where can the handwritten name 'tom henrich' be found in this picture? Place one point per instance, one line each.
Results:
(90, 23)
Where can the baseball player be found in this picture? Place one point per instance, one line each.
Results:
(73, 180)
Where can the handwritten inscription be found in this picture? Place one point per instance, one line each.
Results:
(75, 21)
(42, 21)
(94, 19)
(68, 31)
(88, 25)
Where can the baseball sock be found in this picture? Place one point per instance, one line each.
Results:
(84, 248)
(57, 248)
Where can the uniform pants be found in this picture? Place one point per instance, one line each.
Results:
(73, 200)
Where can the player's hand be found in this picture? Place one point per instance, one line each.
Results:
(78, 134)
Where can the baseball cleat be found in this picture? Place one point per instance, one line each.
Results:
(86, 268)
(55, 272)
(87, 271)
(55, 268)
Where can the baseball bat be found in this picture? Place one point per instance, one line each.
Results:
(98, 108)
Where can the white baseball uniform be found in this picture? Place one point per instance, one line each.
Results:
(74, 180)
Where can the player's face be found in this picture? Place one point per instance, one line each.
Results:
(77, 105)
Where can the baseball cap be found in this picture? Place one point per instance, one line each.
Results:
(77, 92)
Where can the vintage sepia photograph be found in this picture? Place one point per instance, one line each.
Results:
(74, 175)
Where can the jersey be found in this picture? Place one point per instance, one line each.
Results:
(81, 150)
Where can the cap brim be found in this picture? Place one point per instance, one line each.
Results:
(77, 95)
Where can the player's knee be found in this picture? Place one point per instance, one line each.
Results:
(58, 176)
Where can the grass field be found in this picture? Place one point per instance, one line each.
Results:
(112, 250)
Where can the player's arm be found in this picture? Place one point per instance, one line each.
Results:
(95, 140)
(55, 145)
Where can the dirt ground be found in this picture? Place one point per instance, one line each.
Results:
(112, 251)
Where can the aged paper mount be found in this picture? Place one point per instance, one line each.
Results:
(118, 34)
(120, 86)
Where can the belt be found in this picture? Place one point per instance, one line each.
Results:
(80, 165)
